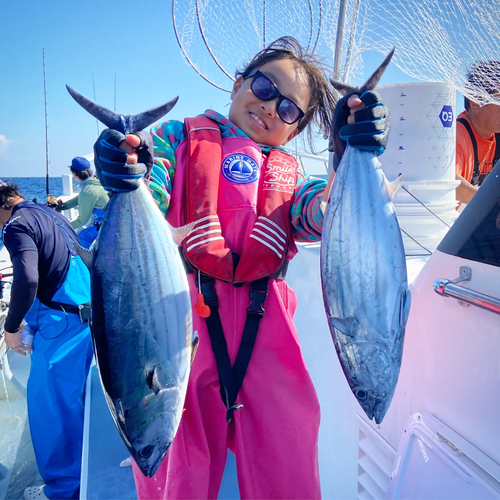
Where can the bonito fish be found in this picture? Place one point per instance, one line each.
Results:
(363, 274)
(141, 312)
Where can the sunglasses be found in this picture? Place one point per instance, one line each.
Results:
(266, 90)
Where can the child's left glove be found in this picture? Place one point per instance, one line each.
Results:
(369, 132)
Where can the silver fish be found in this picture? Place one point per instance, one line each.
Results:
(363, 275)
(141, 316)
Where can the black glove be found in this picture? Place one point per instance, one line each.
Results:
(110, 161)
(369, 132)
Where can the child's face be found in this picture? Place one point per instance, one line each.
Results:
(257, 118)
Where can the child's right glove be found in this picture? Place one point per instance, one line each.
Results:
(111, 161)
(369, 132)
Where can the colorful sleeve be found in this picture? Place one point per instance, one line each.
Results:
(307, 217)
(166, 138)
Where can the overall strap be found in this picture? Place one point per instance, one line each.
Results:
(70, 242)
(497, 149)
(82, 310)
(231, 377)
(475, 175)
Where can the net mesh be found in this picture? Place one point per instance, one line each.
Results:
(436, 40)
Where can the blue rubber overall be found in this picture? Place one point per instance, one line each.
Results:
(60, 362)
(89, 234)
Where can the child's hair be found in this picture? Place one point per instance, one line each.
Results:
(323, 101)
(82, 174)
(7, 191)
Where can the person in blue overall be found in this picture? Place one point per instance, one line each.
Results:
(91, 202)
(51, 292)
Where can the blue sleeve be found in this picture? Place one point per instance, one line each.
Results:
(24, 257)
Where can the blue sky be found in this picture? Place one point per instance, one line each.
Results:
(132, 39)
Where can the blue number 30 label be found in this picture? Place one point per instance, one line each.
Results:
(446, 116)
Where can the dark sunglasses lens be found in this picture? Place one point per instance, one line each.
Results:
(263, 88)
(288, 111)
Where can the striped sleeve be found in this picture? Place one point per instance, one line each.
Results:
(307, 218)
(166, 138)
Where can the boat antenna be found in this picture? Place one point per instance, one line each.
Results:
(96, 121)
(46, 131)
(114, 108)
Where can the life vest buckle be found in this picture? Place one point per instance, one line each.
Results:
(257, 300)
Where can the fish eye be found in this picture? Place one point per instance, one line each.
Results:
(147, 451)
(361, 394)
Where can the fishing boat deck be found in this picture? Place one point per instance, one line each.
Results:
(102, 476)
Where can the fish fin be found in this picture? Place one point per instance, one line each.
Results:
(344, 88)
(179, 233)
(146, 118)
(157, 378)
(152, 381)
(85, 254)
(126, 124)
(393, 186)
(344, 325)
(323, 206)
(194, 345)
(372, 81)
(405, 308)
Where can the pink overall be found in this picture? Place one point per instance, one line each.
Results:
(274, 436)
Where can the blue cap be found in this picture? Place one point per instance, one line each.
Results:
(80, 163)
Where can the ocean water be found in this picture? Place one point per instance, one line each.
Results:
(33, 188)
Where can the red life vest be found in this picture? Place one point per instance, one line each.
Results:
(205, 247)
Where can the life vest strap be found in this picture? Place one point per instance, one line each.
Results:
(231, 377)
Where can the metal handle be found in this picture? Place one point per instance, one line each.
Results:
(450, 288)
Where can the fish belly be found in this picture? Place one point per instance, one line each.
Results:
(141, 322)
(364, 282)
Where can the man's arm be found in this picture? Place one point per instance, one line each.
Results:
(72, 203)
(465, 190)
(22, 296)
(24, 287)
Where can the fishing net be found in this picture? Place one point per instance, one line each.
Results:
(436, 40)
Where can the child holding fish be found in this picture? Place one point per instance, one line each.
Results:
(244, 204)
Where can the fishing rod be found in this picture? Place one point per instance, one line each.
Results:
(46, 132)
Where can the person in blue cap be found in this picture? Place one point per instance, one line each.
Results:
(91, 201)
(51, 292)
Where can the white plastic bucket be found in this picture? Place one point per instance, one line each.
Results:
(422, 139)
(422, 148)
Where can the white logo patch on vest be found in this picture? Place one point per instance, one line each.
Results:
(240, 169)
(280, 175)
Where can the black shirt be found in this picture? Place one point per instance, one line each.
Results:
(40, 257)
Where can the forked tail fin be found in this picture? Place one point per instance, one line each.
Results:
(370, 84)
(126, 124)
